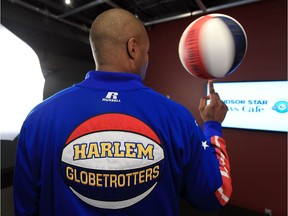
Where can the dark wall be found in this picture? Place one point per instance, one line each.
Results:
(258, 158)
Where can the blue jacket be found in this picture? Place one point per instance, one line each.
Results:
(112, 146)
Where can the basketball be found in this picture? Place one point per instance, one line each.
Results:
(212, 46)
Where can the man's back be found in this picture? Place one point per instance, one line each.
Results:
(111, 146)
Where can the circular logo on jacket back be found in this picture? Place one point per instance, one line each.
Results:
(112, 161)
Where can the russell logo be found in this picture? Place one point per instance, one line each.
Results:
(281, 107)
(112, 161)
(111, 97)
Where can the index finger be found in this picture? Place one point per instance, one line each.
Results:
(211, 87)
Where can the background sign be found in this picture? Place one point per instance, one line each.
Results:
(255, 105)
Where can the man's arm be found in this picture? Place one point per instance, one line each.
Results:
(216, 111)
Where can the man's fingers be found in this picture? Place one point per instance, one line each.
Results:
(211, 87)
(212, 90)
(203, 102)
(214, 97)
(216, 110)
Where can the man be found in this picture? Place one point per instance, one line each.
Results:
(112, 146)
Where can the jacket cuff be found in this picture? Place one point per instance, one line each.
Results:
(212, 128)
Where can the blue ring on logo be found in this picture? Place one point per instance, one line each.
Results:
(281, 107)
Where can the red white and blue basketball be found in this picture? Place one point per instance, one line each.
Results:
(212, 46)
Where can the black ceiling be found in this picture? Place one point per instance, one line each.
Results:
(81, 13)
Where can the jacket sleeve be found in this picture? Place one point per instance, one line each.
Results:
(26, 185)
(212, 131)
(207, 180)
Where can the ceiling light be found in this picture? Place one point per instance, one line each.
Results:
(68, 2)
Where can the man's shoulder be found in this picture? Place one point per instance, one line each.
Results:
(54, 101)
(165, 102)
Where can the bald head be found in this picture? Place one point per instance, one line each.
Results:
(119, 42)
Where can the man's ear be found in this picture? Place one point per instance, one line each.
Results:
(131, 48)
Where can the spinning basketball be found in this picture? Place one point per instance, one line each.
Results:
(212, 46)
